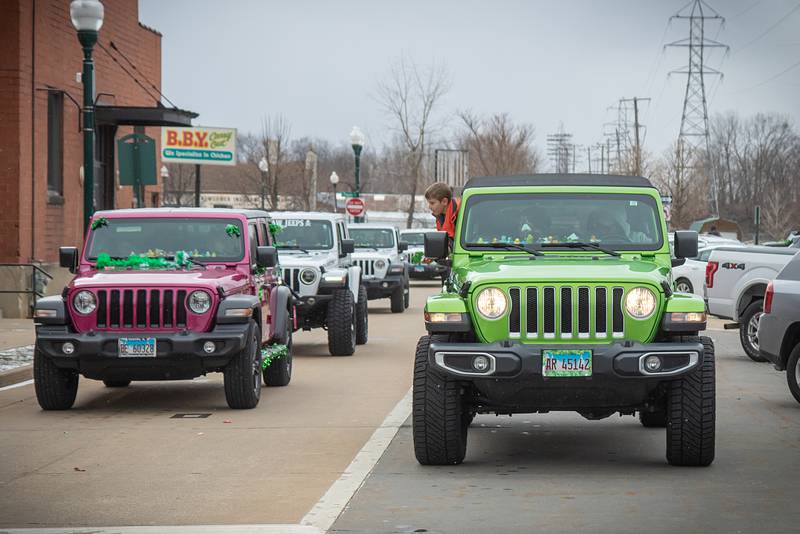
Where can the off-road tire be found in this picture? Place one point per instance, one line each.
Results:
(362, 317)
(685, 281)
(439, 421)
(117, 383)
(749, 348)
(657, 419)
(397, 300)
(341, 324)
(407, 293)
(279, 372)
(55, 388)
(691, 412)
(793, 372)
(242, 375)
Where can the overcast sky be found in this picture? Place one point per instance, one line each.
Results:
(318, 62)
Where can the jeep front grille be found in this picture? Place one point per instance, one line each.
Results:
(565, 312)
(367, 267)
(291, 278)
(141, 308)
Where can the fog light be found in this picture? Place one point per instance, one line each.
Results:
(67, 348)
(480, 363)
(209, 347)
(385, 284)
(311, 301)
(652, 363)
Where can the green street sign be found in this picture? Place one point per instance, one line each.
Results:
(349, 194)
(137, 160)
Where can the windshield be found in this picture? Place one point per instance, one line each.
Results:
(372, 237)
(305, 234)
(414, 239)
(203, 239)
(614, 221)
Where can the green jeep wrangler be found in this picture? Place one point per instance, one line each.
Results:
(561, 299)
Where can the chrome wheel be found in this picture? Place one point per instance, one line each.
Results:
(797, 372)
(752, 330)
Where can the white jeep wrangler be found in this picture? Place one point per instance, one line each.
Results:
(381, 256)
(315, 260)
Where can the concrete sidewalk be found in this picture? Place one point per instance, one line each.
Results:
(16, 333)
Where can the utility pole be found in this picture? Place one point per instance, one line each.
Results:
(694, 121)
(637, 145)
(589, 158)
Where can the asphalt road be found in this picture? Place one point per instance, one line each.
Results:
(120, 458)
(561, 473)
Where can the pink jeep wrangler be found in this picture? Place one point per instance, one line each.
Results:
(167, 294)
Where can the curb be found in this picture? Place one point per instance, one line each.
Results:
(14, 376)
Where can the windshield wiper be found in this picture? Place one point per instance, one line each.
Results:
(292, 247)
(188, 259)
(581, 244)
(506, 246)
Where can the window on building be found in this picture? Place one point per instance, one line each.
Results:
(55, 142)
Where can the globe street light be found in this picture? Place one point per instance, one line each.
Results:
(334, 182)
(87, 18)
(357, 141)
(264, 167)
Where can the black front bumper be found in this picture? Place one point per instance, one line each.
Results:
(179, 355)
(378, 288)
(518, 385)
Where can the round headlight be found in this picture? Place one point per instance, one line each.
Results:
(380, 264)
(492, 303)
(199, 301)
(84, 302)
(308, 276)
(640, 302)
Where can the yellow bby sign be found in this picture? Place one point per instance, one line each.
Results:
(207, 146)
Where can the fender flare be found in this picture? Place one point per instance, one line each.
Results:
(281, 308)
(238, 301)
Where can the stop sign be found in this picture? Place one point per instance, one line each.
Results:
(355, 207)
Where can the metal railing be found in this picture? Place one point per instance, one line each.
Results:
(34, 290)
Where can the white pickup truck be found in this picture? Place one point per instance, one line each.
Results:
(736, 279)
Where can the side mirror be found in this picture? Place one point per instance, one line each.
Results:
(266, 256)
(68, 257)
(685, 244)
(348, 246)
(402, 246)
(436, 245)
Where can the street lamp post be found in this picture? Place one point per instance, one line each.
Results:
(357, 141)
(334, 182)
(263, 166)
(87, 18)
(164, 172)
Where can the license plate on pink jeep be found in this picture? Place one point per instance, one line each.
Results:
(137, 347)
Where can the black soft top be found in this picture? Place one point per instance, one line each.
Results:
(556, 179)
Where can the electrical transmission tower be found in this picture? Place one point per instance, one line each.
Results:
(694, 121)
(561, 151)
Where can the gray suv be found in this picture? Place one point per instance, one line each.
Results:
(779, 327)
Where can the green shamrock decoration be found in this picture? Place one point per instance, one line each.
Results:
(135, 261)
(417, 257)
(99, 223)
(233, 231)
(275, 229)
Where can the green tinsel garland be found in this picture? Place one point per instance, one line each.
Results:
(417, 257)
(275, 229)
(99, 223)
(272, 353)
(134, 261)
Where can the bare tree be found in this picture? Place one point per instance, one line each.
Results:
(178, 187)
(410, 96)
(275, 134)
(497, 146)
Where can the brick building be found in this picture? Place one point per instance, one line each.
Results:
(41, 195)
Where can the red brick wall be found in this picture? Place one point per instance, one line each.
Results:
(58, 58)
